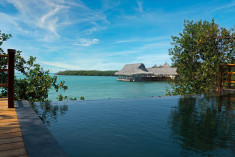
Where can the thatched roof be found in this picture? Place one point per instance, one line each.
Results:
(163, 71)
(132, 69)
(155, 66)
(139, 68)
(166, 65)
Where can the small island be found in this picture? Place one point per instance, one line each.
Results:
(87, 72)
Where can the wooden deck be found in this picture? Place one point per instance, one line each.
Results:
(11, 141)
(228, 89)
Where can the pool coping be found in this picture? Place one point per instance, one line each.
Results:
(37, 138)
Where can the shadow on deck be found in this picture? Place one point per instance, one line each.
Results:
(23, 134)
(11, 141)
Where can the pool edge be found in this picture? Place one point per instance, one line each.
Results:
(37, 138)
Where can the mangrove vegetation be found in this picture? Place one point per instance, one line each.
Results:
(197, 53)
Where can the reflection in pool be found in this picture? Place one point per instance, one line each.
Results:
(169, 126)
(48, 112)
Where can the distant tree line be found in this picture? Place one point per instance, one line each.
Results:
(87, 72)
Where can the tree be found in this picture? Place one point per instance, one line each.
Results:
(197, 53)
(36, 83)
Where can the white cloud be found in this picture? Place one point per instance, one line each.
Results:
(59, 65)
(49, 17)
(86, 42)
(226, 6)
(108, 5)
(153, 46)
(140, 7)
(149, 39)
(37, 16)
(96, 27)
(49, 22)
(169, 19)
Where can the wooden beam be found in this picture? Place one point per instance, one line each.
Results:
(228, 72)
(228, 89)
(232, 65)
(3, 55)
(11, 77)
(229, 77)
(3, 70)
(3, 85)
(220, 78)
(233, 81)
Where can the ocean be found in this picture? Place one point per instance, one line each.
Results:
(106, 87)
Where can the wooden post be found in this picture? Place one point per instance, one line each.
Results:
(228, 100)
(229, 76)
(220, 78)
(220, 97)
(11, 71)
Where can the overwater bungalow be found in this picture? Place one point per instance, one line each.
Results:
(164, 72)
(138, 72)
(134, 72)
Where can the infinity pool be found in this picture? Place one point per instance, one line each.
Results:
(143, 127)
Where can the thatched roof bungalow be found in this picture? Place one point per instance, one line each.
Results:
(166, 70)
(133, 69)
(138, 72)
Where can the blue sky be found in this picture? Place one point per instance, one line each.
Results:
(103, 34)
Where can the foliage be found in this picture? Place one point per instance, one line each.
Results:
(3, 37)
(82, 98)
(88, 72)
(197, 53)
(36, 83)
(62, 98)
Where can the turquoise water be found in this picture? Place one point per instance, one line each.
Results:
(143, 127)
(106, 87)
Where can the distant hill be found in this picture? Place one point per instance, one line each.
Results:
(87, 72)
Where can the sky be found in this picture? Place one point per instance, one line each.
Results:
(103, 34)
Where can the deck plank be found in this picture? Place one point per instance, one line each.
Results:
(11, 135)
(10, 146)
(10, 130)
(11, 141)
(13, 152)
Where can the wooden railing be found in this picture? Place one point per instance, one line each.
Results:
(226, 100)
(229, 73)
(11, 71)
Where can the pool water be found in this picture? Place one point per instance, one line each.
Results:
(143, 127)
